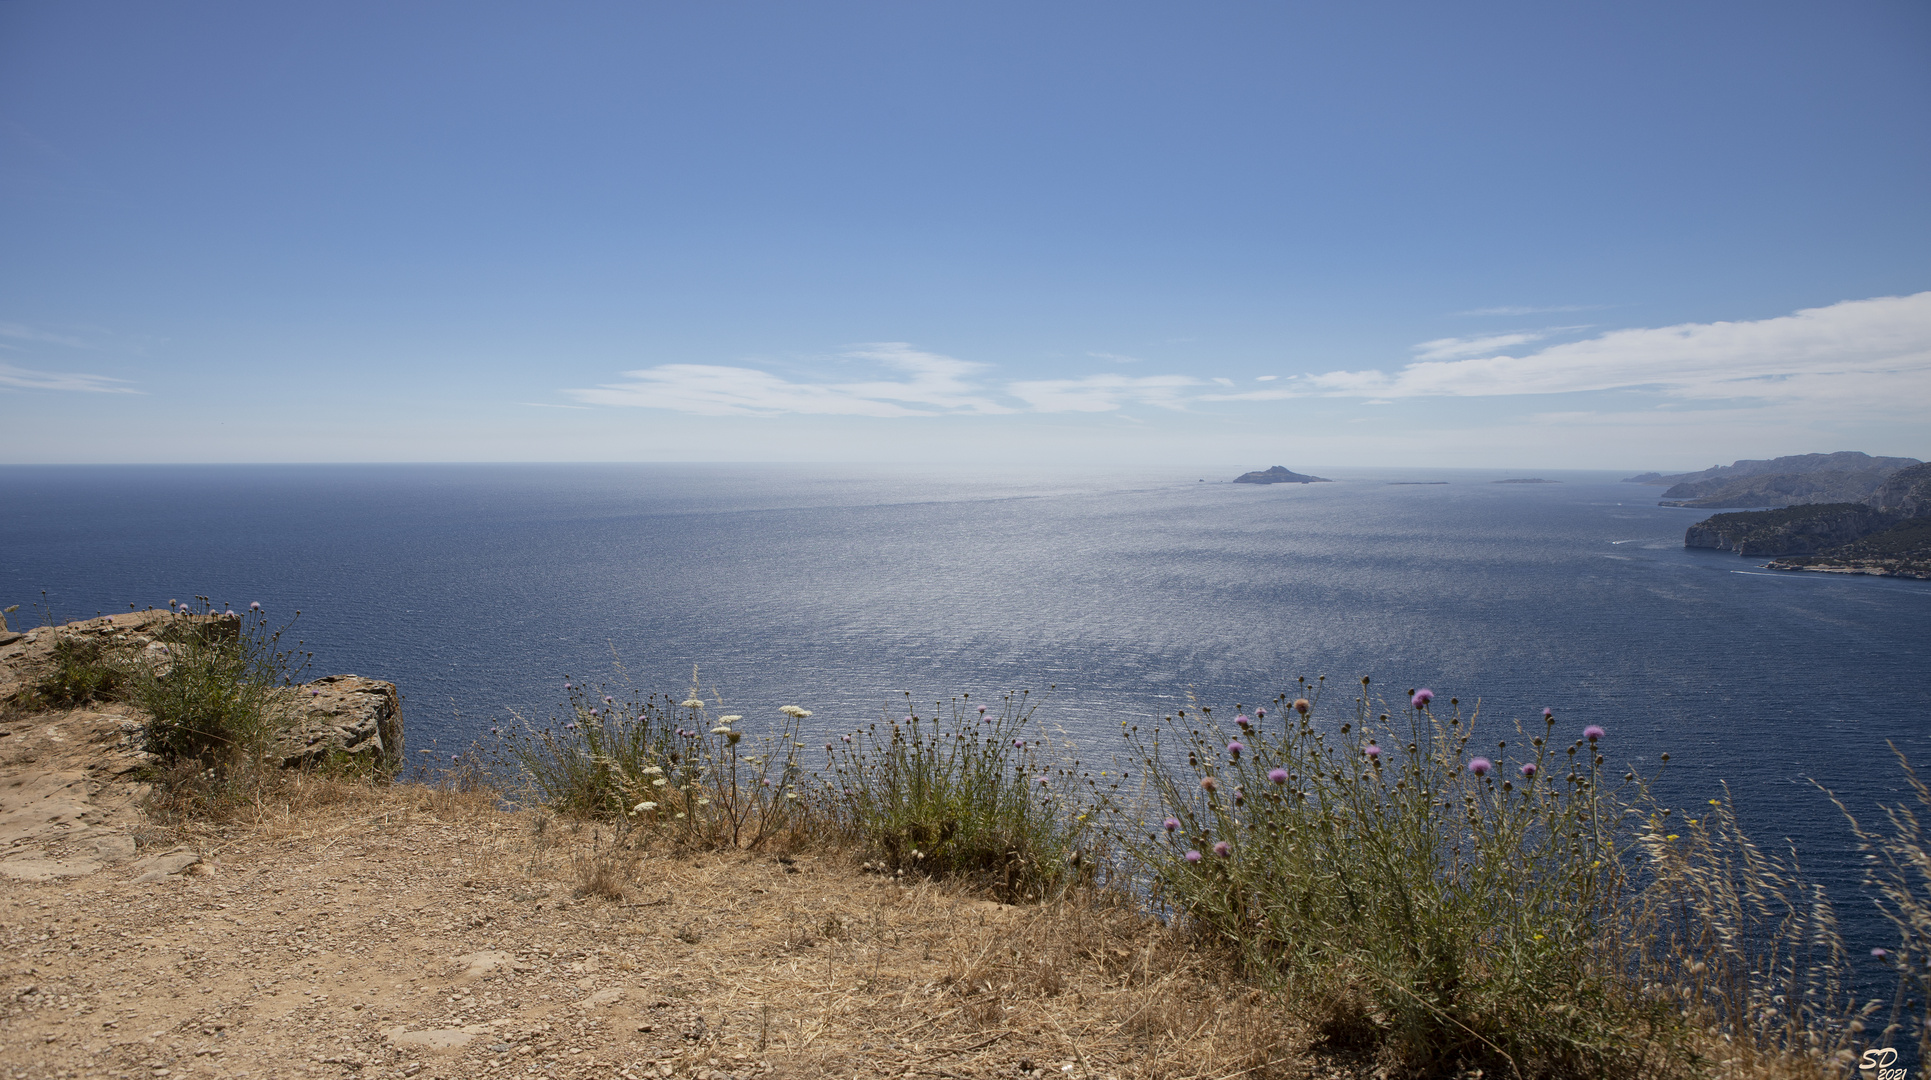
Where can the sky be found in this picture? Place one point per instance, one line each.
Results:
(1617, 235)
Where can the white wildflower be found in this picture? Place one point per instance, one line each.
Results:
(653, 770)
(795, 711)
(643, 806)
(659, 782)
(721, 729)
(692, 703)
(731, 719)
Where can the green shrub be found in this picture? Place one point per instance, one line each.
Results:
(971, 797)
(85, 669)
(216, 691)
(662, 763)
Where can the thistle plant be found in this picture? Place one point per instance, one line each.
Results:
(971, 795)
(1459, 891)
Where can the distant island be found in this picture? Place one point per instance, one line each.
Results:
(1799, 480)
(1415, 483)
(1529, 480)
(1279, 475)
(1886, 533)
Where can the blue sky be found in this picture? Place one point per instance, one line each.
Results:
(1614, 235)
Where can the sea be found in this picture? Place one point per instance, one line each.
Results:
(479, 590)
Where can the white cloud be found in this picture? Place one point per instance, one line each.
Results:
(1530, 310)
(1265, 378)
(28, 379)
(1858, 353)
(1453, 348)
(1115, 357)
(936, 384)
(28, 333)
(1103, 393)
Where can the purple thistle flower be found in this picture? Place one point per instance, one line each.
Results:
(1171, 824)
(846, 738)
(1279, 776)
(607, 700)
(1592, 733)
(1207, 783)
(1019, 743)
(1480, 766)
(827, 748)
(1043, 781)
(1547, 713)
(1234, 748)
(1260, 714)
(1880, 953)
(1372, 751)
(1528, 769)
(1242, 721)
(1193, 856)
(1422, 697)
(982, 710)
(255, 606)
(1223, 849)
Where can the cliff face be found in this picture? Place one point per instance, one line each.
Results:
(1779, 489)
(1797, 530)
(1797, 480)
(1889, 532)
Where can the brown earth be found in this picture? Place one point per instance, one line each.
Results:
(348, 930)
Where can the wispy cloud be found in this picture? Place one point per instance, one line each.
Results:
(1115, 357)
(934, 384)
(1450, 348)
(1861, 353)
(22, 332)
(20, 378)
(1532, 310)
(1103, 393)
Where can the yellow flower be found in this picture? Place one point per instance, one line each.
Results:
(1671, 836)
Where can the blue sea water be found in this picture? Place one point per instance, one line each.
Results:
(479, 589)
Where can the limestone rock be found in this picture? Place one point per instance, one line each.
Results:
(343, 714)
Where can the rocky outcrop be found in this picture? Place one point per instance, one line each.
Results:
(1279, 475)
(353, 720)
(348, 718)
(1797, 480)
(1779, 489)
(1796, 530)
(1888, 533)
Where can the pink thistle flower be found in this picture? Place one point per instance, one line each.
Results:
(1547, 713)
(1302, 705)
(255, 606)
(1193, 856)
(1234, 748)
(1223, 849)
(1242, 721)
(1528, 769)
(846, 738)
(1279, 776)
(1043, 781)
(982, 710)
(1372, 751)
(1880, 953)
(1592, 733)
(1207, 783)
(1422, 697)
(1171, 824)
(1480, 766)
(1260, 714)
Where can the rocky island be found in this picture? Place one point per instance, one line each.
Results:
(1279, 475)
